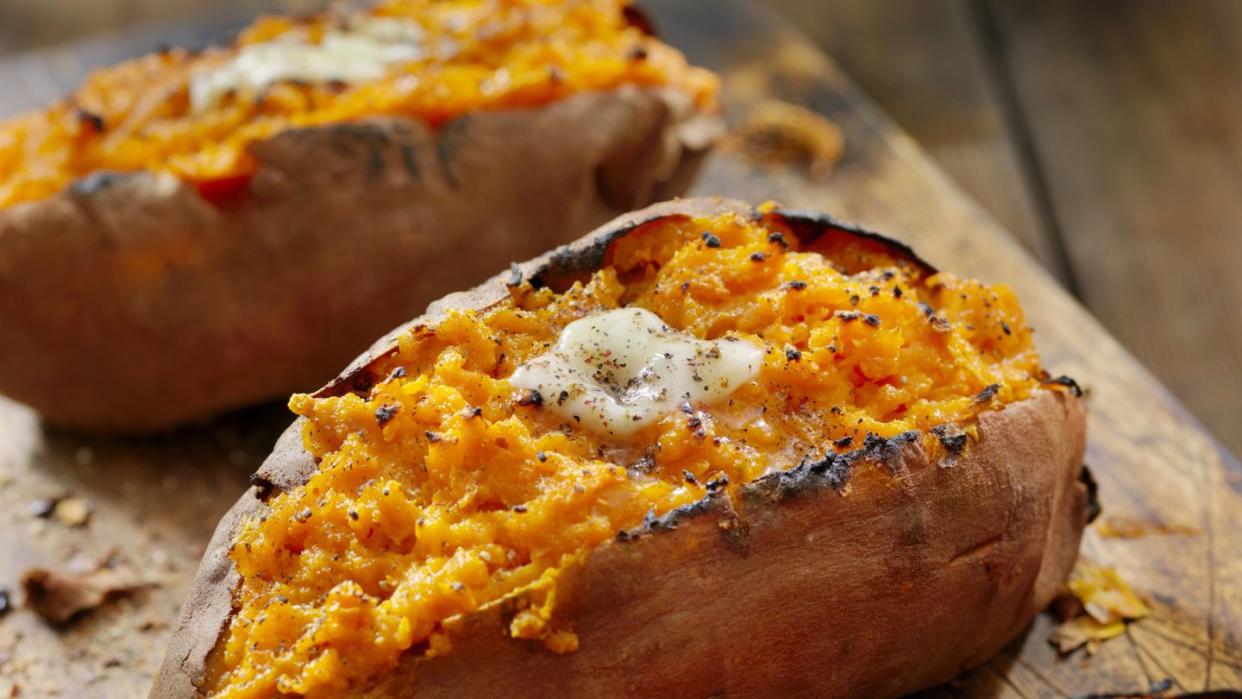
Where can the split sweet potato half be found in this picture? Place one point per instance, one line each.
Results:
(885, 503)
(165, 255)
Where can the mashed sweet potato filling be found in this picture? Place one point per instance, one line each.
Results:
(443, 488)
(463, 56)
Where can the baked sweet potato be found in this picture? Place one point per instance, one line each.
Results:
(173, 244)
(886, 495)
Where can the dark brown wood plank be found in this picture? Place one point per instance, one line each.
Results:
(923, 63)
(156, 500)
(1136, 116)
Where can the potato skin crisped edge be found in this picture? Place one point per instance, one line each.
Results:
(164, 308)
(891, 575)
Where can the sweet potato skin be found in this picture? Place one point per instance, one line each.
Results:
(131, 303)
(874, 574)
(915, 575)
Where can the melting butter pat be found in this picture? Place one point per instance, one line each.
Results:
(364, 50)
(618, 371)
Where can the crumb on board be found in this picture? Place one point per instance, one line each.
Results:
(776, 133)
(69, 510)
(41, 508)
(1122, 527)
(72, 511)
(60, 595)
(1096, 607)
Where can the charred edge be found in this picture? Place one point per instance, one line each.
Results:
(988, 393)
(358, 381)
(887, 452)
(263, 487)
(349, 138)
(348, 135)
(362, 381)
(832, 470)
(1093, 493)
(409, 160)
(536, 282)
(375, 161)
(384, 413)
(570, 260)
(1065, 381)
(515, 276)
(638, 18)
(574, 259)
(96, 182)
(807, 225)
(669, 520)
(449, 142)
(811, 225)
(951, 438)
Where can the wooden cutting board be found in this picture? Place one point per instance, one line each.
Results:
(1165, 485)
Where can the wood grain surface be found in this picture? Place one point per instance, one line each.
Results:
(960, 76)
(155, 501)
(1135, 114)
(925, 63)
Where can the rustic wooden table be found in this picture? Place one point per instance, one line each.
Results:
(1106, 136)
(155, 501)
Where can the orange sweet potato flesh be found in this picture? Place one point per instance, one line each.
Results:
(469, 57)
(916, 575)
(884, 569)
(137, 295)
